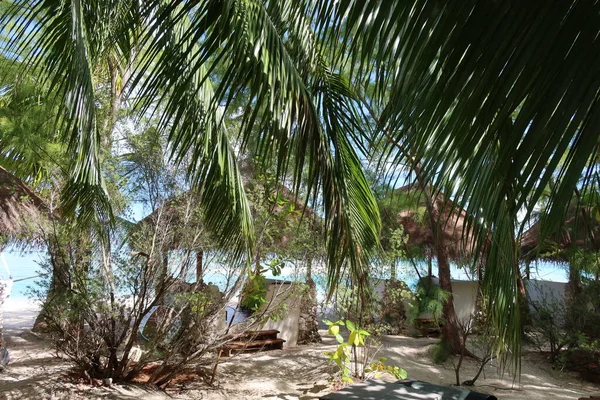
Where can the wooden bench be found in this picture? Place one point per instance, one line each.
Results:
(427, 325)
(252, 341)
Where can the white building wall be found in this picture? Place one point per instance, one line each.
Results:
(287, 325)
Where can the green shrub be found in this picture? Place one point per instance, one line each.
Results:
(254, 293)
(441, 351)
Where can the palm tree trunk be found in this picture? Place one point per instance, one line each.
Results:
(450, 327)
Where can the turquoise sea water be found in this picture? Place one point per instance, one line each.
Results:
(22, 266)
(27, 265)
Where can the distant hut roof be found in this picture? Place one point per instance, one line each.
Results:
(453, 220)
(580, 230)
(181, 212)
(21, 210)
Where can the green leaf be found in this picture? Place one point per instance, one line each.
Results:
(400, 373)
(354, 338)
(350, 325)
(334, 330)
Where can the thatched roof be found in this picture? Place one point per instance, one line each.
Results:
(181, 213)
(580, 230)
(21, 210)
(415, 220)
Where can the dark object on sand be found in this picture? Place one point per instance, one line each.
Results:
(405, 390)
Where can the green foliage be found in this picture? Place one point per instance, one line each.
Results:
(393, 311)
(380, 367)
(441, 351)
(562, 324)
(346, 355)
(30, 146)
(301, 114)
(429, 299)
(481, 123)
(254, 293)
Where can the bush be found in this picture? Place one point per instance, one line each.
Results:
(355, 358)
(441, 351)
(429, 299)
(115, 313)
(392, 306)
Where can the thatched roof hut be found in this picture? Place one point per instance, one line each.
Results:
(412, 214)
(580, 230)
(181, 213)
(21, 210)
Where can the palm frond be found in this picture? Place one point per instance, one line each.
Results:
(65, 39)
(296, 110)
(458, 78)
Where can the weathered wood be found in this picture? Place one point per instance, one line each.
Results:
(253, 341)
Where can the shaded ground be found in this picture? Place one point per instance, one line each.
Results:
(296, 373)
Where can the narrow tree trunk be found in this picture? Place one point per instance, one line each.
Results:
(309, 328)
(199, 266)
(450, 328)
(523, 299)
(429, 266)
(393, 276)
(574, 286)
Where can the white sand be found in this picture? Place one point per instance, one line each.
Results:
(19, 314)
(294, 373)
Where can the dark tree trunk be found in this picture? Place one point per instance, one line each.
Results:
(432, 201)
(60, 281)
(574, 286)
(429, 266)
(199, 266)
(309, 326)
(450, 327)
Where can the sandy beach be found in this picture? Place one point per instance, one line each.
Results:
(300, 372)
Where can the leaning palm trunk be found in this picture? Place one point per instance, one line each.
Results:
(450, 327)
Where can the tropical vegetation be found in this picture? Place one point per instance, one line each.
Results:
(490, 111)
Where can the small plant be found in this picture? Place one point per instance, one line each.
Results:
(441, 351)
(353, 357)
(430, 299)
(254, 293)
(379, 367)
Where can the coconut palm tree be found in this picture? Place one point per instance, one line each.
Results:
(302, 111)
(453, 78)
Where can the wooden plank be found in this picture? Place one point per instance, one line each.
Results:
(254, 343)
(256, 334)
